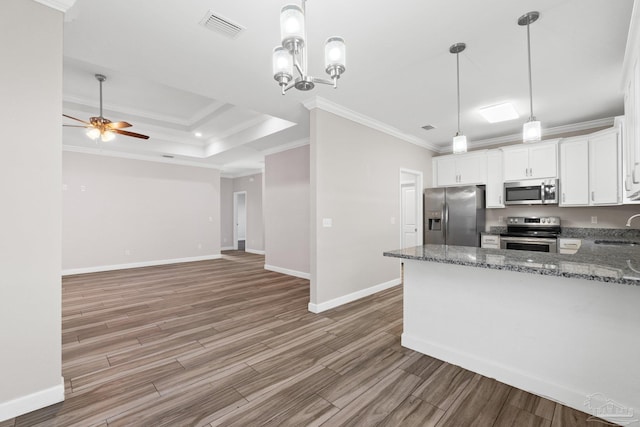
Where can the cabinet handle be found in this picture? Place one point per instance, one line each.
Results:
(499, 200)
(593, 196)
(564, 199)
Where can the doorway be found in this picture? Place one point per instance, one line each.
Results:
(410, 208)
(239, 220)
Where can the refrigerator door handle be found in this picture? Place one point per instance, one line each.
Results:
(445, 228)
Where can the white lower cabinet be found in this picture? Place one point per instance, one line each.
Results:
(495, 183)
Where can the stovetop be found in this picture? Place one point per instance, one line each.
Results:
(548, 227)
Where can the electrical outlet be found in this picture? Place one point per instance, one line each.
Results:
(500, 219)
(594, 220)
(127, 251)
(199, 245)
(393, 220)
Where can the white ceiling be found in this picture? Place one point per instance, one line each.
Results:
(170, 76)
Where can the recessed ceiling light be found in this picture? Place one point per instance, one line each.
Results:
(499, 113)
(198, 134)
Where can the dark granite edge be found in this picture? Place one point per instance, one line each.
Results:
(518, 268)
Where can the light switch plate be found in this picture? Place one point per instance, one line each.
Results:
(327, 222)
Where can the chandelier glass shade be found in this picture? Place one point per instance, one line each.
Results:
(290, 59)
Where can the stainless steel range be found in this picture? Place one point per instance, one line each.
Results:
(531, 234)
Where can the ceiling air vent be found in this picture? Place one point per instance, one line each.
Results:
(428, 127)
(221, 25)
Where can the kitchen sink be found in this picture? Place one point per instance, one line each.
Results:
(616, 242)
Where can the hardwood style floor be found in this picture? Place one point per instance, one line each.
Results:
(226, 343)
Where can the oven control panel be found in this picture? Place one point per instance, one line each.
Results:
(533, 221)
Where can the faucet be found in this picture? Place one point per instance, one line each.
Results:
(630, 218)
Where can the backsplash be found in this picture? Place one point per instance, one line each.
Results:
(607, 217)
(587, 233)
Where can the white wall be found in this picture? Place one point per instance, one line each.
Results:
(355, 182)
(607, 216)
(30, 291)
(226, 213)
(123, 212)
(286, 212)
(252, 184)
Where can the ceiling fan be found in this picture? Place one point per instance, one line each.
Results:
(104, 128)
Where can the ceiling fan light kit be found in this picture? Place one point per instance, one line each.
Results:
(100, 127)
(532, 129)
(291, 57)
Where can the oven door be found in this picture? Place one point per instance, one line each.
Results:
(536, 244)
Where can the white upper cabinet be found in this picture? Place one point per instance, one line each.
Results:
(460, 169)
(632, 134)
(590, 169)
(531, 161)
(574, 172)
(495, 183)
(604, 167)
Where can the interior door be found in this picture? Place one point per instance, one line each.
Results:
(409, 216)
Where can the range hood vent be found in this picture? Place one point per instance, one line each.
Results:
(221, 25)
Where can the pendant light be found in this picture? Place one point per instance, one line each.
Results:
(531, 130)
(459, 140)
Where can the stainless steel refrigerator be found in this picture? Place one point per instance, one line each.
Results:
(454, 215)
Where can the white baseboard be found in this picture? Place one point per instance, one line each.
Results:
(544, 387)
(254, 251)
(336, 302)
(31, 402)
(100, 268)
(287, 271)
(227, 248)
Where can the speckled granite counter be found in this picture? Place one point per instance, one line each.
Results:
(606, 263)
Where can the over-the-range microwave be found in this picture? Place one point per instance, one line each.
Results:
(531, 192)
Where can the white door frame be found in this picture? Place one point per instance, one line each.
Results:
(235, 218)
(419, 190)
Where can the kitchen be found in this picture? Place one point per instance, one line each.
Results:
(549, 284)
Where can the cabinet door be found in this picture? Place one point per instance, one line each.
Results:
(604, 168)
(543, 161)
(471, 169)
(495, 183)
(446, 172)
(574, 172)
(516, 163)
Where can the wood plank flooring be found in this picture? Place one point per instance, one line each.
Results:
(227, 343)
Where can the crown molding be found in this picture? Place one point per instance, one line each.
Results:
(143, 157)
(285, 147)
(61, 5)
(326, 105)
(546, 132)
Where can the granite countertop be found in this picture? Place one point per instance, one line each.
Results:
(606, 263)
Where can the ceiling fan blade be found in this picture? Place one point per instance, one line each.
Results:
(73, 118)
(76, 126)
(119, 125)
(133, 134)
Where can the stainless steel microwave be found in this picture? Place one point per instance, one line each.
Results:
(531, 192)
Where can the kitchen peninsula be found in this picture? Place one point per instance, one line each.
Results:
(565, 327)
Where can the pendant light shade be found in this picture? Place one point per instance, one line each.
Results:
(459, 140)
(531, 130)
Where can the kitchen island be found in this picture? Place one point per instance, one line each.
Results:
(566, 327)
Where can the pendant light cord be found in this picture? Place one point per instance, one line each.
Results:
(100, 98)
(458, 86)
(530, 81)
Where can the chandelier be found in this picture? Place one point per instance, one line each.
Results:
(292, 54)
